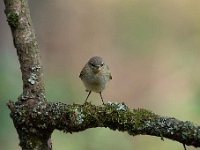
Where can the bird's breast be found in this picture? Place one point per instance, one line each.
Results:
(95, 82)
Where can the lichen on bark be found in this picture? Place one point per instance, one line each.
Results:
(18, 17)
(48, 116)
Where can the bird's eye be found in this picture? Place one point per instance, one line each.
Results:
(92, 65)
(102, 64)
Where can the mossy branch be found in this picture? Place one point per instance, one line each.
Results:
(46, 117)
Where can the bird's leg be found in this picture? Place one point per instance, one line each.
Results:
(88, 96)
(184, 147)
(101, 97)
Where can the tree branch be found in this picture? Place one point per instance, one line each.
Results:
(35, 118)
(116, 116)
(18, 17)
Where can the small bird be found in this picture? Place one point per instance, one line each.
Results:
(95, 74)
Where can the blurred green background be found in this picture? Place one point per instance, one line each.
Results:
(152, 48)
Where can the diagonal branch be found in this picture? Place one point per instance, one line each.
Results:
(116, 116)
(18, 17)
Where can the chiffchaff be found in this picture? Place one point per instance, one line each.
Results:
(95, 74)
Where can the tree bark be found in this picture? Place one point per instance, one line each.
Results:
(18, 17)
(48, 116)
(35, 119)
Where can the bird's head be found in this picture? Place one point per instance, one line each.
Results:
(96, 64)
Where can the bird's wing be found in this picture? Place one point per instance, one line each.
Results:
(110, 76)
(83, 71)
(81, 74)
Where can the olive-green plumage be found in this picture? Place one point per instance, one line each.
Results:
(95, 74)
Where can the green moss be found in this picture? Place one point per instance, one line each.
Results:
(13, 19)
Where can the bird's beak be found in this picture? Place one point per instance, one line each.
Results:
(98, 67)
